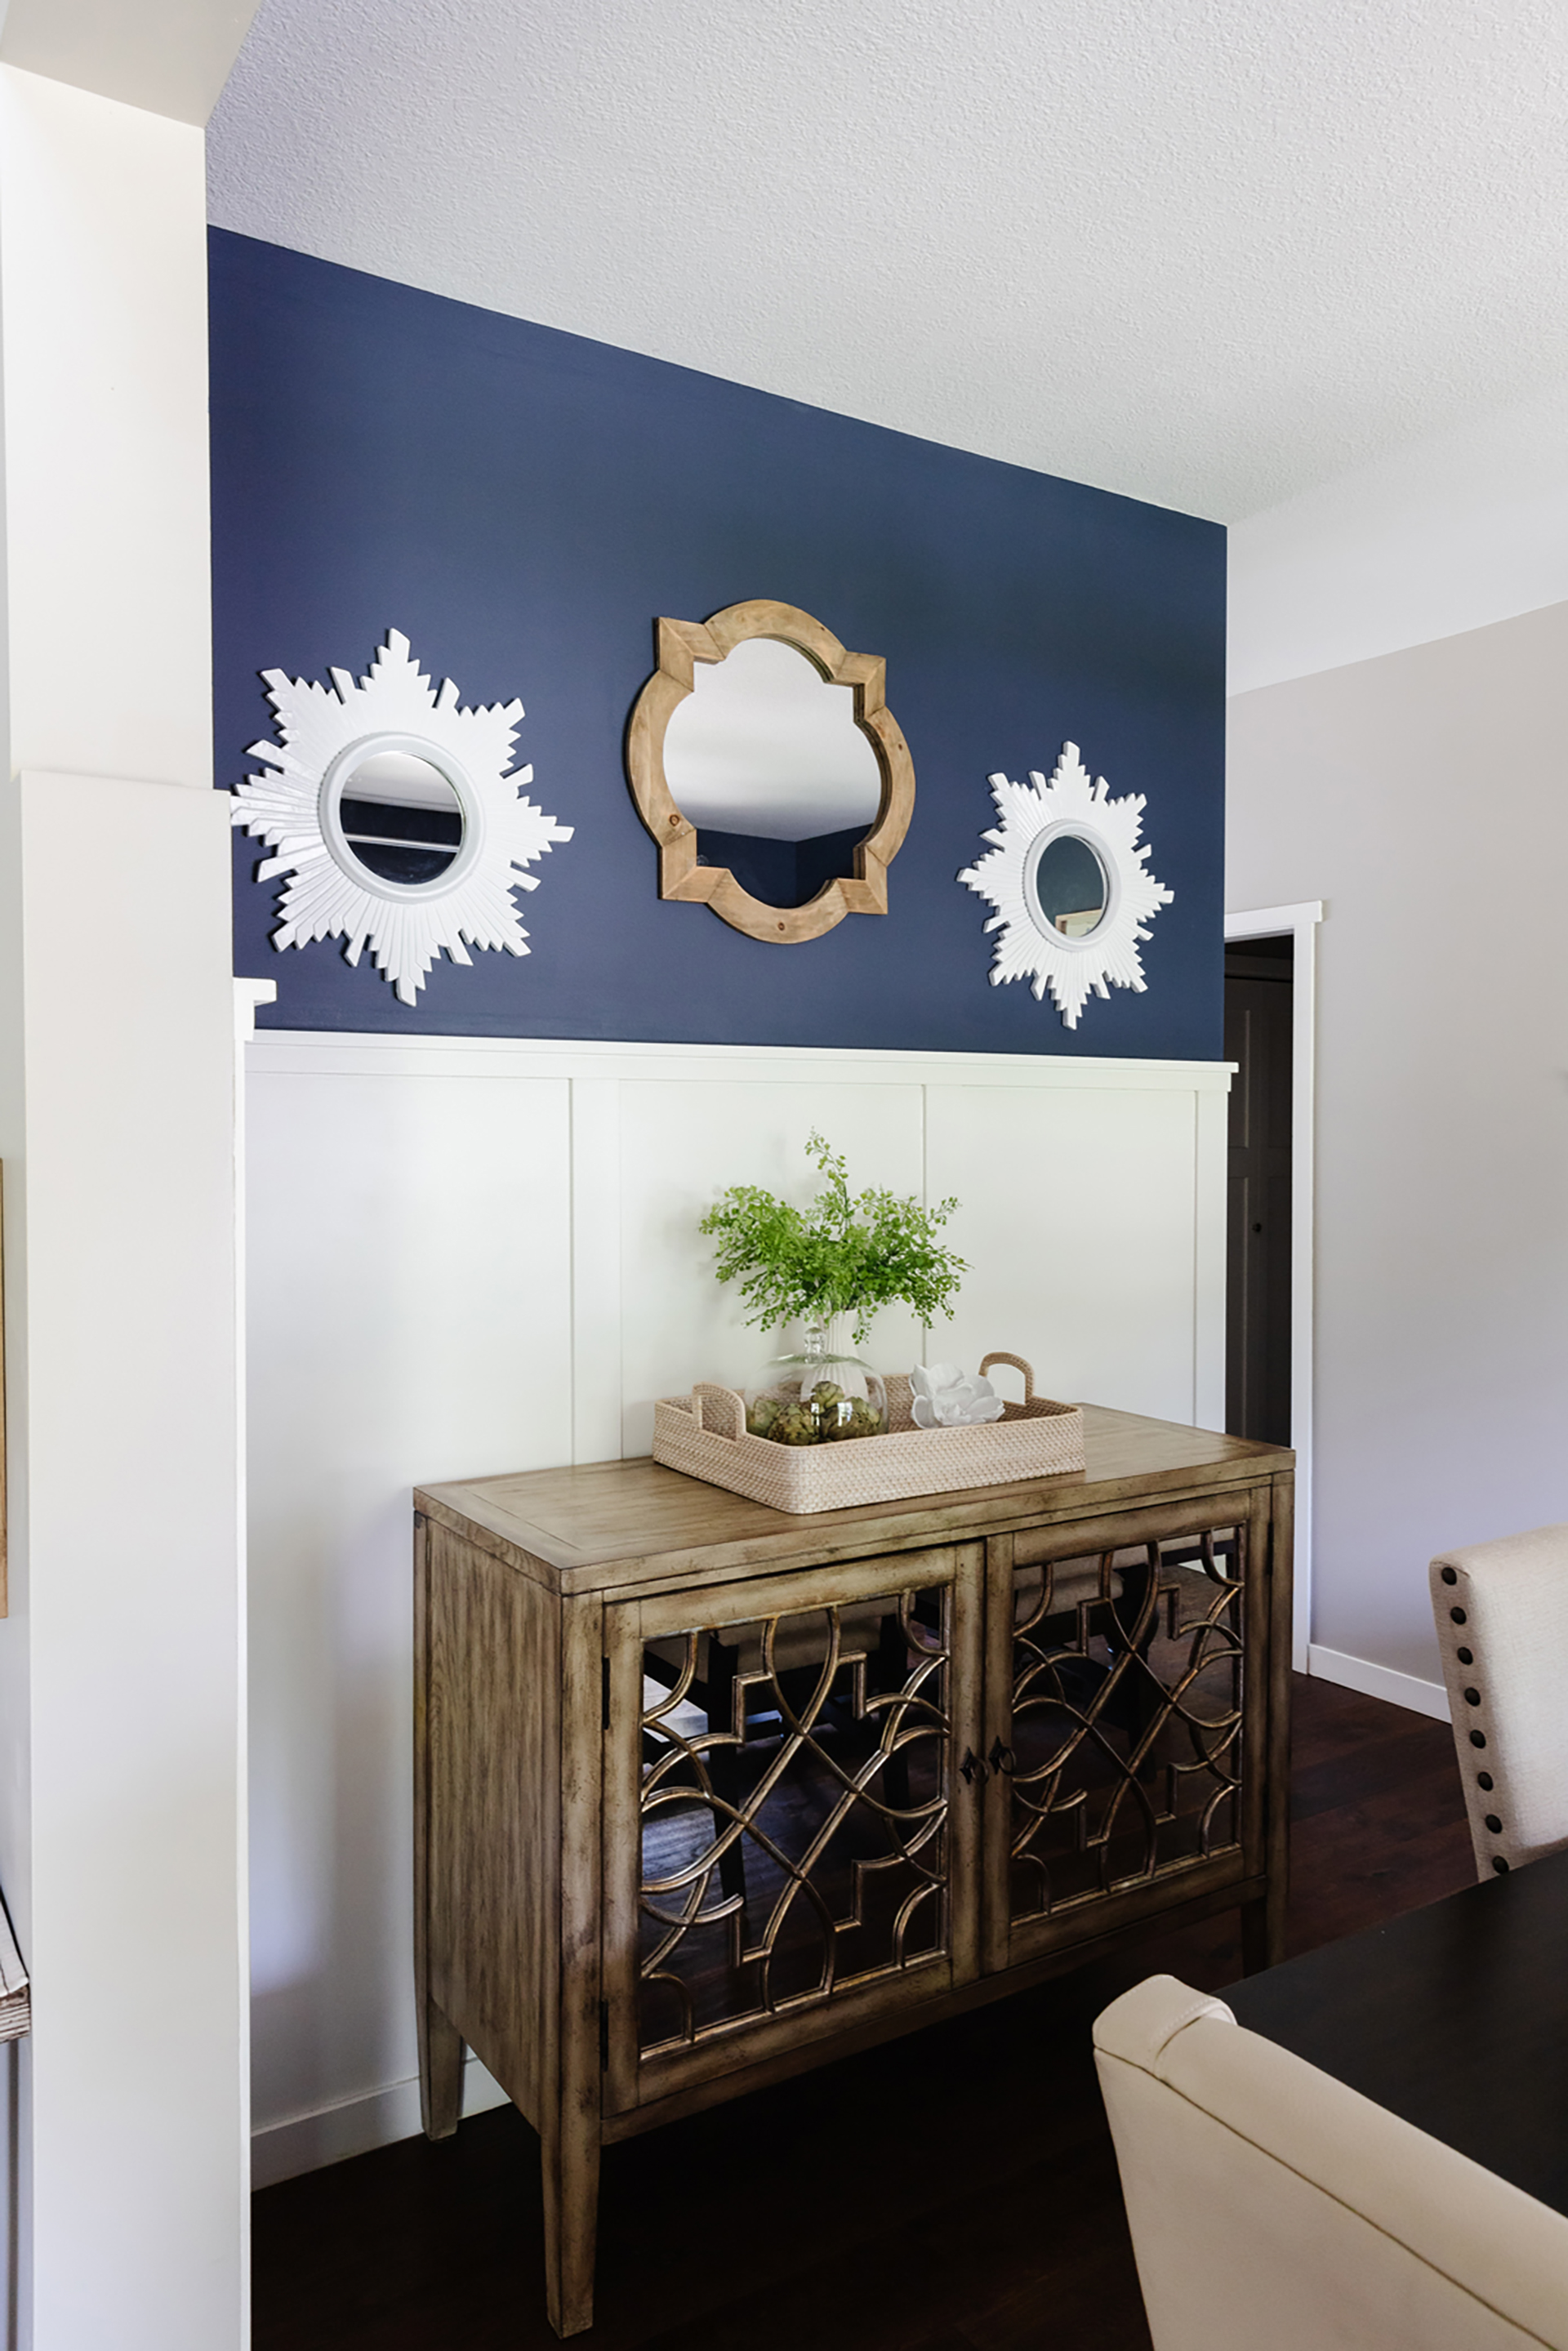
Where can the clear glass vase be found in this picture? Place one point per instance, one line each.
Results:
(819, 1396)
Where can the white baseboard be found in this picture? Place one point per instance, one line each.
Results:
(1379, 1681)
(353, 2126)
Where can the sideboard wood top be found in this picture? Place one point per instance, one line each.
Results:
(606, 1524)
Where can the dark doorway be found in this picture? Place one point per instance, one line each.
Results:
(1259, 991)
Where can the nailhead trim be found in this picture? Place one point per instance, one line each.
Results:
(1478, 1738)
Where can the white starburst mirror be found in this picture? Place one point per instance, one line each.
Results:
(1069, 884)
(397, 816)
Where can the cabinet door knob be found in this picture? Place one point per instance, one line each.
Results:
(1002, 1759)
(973, 1768)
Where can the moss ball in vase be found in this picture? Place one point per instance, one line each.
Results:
(819, 1396)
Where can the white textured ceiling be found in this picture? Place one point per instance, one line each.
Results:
(1206, 252)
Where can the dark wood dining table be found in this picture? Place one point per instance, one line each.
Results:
(1455, 2017)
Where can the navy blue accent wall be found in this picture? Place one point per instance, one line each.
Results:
(523, 503)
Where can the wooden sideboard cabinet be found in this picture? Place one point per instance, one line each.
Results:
(706, 1793)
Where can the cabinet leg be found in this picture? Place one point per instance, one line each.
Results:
(1275, 1904)
(439, 2073)
(1263, 1931)
(571, 2218)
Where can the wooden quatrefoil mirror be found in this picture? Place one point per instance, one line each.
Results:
(772, 773)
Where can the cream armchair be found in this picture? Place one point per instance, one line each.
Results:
(1501, 1611)
(1274, 2209)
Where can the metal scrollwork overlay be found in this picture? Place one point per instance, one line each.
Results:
(794, 1811)
(1127, 1717)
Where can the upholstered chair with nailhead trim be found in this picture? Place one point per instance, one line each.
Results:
(1273, 2208)
(1502, 1610)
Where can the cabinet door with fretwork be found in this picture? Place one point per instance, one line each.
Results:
(1127, 1716)
(791, 1811)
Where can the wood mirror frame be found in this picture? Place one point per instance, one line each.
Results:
(681, 645)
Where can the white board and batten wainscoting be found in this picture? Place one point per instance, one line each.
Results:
(474, 1255)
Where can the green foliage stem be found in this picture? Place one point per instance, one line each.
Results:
(844, 1255)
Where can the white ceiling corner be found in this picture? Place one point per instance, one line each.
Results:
(167, 56)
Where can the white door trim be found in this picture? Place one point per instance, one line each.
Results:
(1301, 923)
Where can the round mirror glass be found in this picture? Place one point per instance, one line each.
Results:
(401, 817)
(764, 757)
(1070, 885)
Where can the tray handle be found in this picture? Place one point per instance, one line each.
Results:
(725, 1406)
(1018, 1364)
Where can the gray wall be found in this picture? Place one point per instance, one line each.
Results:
(1424, 796)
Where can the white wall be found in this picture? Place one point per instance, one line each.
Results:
(119, 1664)
(1441, 535)
(1423, 796)
(473, 1256)
(104, 254)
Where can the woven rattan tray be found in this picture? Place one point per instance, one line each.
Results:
(705, 1435)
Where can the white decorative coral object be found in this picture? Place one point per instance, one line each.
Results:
(943, 1397)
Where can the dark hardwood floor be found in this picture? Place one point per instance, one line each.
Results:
(952, 2191)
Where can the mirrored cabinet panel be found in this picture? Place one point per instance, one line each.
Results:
(796, 1780)
(1125, 1740)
